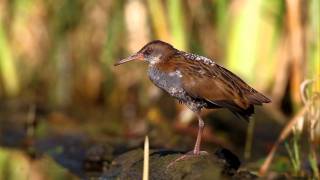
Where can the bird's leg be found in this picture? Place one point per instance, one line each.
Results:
(196, 150)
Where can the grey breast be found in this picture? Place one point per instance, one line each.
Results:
(170, 82)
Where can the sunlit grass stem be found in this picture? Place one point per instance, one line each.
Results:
(145, 172)
(8, 69)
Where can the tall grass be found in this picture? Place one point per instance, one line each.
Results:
(177, 24)
(159, 21)
(9, 73)
(294, 152)
(244, 32)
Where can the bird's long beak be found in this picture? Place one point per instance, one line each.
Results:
(136, 56)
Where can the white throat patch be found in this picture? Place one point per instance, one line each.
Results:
(155, 60)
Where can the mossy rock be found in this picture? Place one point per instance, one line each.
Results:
(221, 165)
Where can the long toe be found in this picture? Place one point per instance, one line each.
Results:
(200, 153)
(188, 155)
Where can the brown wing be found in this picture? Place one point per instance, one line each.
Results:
(212, 85)
(216, 84)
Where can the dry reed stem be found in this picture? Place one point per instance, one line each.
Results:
(145, 173)
(284, 134)
(286, 131)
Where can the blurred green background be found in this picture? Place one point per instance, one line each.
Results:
(57, 74)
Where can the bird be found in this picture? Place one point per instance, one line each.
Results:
(197, 82)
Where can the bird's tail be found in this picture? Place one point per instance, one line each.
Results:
(243, 113)
(258, 98)
(235, 109)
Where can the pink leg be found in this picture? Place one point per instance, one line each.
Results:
(196, 151)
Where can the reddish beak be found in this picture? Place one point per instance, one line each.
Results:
(137, 56)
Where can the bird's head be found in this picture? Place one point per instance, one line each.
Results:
(153, 52)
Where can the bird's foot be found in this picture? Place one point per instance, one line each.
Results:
(188, 155)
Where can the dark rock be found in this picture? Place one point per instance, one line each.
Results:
(244, 175)
(221, 165)
(232, 161)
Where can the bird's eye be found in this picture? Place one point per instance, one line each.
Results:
(148, 52)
